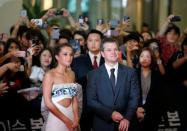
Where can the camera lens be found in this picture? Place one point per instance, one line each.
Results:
(59, 12)
(35, 41)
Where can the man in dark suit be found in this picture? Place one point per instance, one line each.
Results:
(112, 91)
(84, 64)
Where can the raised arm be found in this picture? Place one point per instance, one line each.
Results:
(165, 25)
(179, 62)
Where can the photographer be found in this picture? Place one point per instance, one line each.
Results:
(168, 36)
(154, 45)
(36, 44)
(80, 36)
(130, 50)
(12, 48)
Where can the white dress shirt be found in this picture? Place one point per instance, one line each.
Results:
(92, 57)
(108, 68)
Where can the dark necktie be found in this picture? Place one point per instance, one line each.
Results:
(112, 78)
(95, 66)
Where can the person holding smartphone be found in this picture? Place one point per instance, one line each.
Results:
(168, 36)
(11, 49)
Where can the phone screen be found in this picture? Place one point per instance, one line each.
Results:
(76, 45)
(55, 33)
(114, 23)
(23, 13)
(100, 21)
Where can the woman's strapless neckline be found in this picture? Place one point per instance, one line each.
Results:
(63, 83)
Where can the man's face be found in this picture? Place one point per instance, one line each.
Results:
(172, 36)
(93, 42)
(110, 52)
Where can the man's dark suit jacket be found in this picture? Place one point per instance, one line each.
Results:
(82, 65)
(103, 100)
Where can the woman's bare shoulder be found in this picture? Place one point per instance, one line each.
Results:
(50, 73)
(71, 74)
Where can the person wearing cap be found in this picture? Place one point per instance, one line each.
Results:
(130, 49)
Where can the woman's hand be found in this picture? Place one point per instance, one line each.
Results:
(140, 113)
(49, 13)
(75, 124)
(69, 124)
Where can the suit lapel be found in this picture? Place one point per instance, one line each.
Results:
(106, 79)
(89, 62)
(120, 78)
(101, 61)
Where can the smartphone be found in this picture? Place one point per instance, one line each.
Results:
(114, 23)
(76, 45)
(23, 13)
(81, 19)
(55, 33)
(175, 19)
(125, 18)
(100, 21)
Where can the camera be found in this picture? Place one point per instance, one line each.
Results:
(154, 47)
(100, 21)
(125, 18)
(59, 12)
(38, 22)
(175, 18)
(34, 41)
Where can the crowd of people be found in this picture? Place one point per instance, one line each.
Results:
(65, 74)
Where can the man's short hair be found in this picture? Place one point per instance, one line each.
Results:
(93, 31)
(132, 36)
(106, 40)
(173, 27)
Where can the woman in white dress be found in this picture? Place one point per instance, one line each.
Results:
(59, 91)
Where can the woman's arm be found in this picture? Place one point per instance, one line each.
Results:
(179, 62)
(161, 66)
(28, 67)
(74, 103)
(75, 112)
(5, 67)
(6, 56)
(47, 87)
(165, 25)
